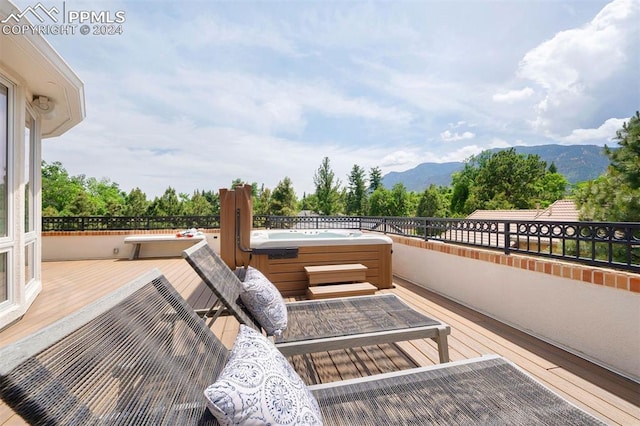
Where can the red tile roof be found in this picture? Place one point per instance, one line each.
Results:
(560, 211)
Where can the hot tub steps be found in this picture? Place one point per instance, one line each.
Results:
(340, 290)
(327, 281)
(328, 274)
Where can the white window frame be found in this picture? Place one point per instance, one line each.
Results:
(8, 238)
(7, 242)
(31, 235)
(31, 196)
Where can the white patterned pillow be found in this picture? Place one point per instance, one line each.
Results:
(264, 301)
(259, 387)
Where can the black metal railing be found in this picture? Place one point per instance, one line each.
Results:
(307, 222)
(128, 223)
(606, 244)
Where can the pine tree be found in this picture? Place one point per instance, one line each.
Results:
(136, 203)
(615, 196)
(356, 193)
(283, 199)
(375, 179)
(327, 189)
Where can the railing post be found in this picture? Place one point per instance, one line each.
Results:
(507, 237)
(426, 229)
(628, 245)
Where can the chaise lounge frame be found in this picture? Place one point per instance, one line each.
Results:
(142, 356)
(324, 325)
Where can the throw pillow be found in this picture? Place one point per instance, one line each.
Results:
(264, 301)
(258, 386)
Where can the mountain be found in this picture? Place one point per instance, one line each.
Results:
(423, 175)
(577, 163)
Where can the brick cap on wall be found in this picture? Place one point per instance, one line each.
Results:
(588, 274)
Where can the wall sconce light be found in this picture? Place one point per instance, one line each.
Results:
(44, 106)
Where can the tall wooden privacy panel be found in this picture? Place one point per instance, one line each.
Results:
(236, 218)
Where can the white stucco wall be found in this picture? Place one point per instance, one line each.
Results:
(84, 247)
(599, 323)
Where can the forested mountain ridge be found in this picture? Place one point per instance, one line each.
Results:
(577, 163)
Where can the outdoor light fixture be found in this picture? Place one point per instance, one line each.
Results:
(44, 106)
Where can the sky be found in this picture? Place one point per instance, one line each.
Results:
(195, 94)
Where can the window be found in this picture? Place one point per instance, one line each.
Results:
(29, 262)
(29, 179)
(4, 190)
(4, 279)
(4, 150)
(29, 167)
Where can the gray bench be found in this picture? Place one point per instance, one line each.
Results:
(138, 240)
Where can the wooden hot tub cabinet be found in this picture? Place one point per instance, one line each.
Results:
(290, 278)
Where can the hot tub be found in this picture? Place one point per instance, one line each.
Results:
(319, 247)
(314, 237)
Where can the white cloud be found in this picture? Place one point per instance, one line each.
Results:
(460, 154)
(331, 102)
(576, 57)
(355, 25)
(499, 143)
(430, 93)
(513, 95)
(210, 30)
(606, 132)
(577, 64)
(399, 158)
(257, 102)
(449, 136)
(141, 148)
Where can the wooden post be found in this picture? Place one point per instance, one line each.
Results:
(236, 220)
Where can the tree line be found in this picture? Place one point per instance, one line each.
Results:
(490, 180)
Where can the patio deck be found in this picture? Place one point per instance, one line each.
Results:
(71, 284)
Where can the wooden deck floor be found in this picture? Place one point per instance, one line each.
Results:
(610, 397)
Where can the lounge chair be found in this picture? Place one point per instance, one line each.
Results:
(142, 356)
(324, 325)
